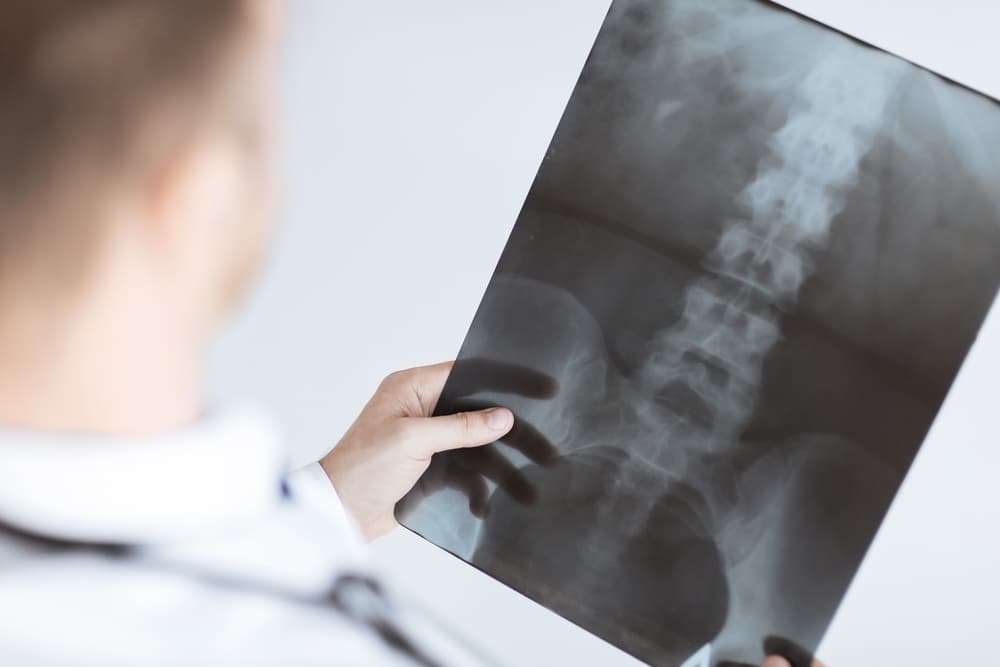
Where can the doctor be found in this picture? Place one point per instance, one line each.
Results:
(137, 524)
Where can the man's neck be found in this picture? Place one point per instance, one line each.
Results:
(96, 367)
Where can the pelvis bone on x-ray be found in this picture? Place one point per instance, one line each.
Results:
(749, 269)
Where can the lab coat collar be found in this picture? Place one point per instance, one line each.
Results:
(177, 486)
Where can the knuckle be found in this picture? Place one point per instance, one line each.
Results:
(467, 422)
(394, 379)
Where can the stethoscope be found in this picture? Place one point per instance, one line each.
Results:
(357, 597)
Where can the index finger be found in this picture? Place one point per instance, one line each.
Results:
(474, 375)
(523, 436)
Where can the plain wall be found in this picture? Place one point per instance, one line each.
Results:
(413, 133)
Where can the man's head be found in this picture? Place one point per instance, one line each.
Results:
(134, 141)
(134, 194)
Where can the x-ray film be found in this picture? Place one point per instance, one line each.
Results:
(746, 275)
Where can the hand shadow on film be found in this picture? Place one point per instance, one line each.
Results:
(467, 470)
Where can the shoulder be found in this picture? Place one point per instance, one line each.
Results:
(85, 608)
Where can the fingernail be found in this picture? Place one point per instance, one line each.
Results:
(499, 419)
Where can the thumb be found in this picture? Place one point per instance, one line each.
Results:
(466, 429)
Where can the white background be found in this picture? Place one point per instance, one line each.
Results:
(414, 132)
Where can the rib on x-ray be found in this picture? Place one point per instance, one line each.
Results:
(749, 269)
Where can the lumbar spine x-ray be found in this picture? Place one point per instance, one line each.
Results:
(716, 275)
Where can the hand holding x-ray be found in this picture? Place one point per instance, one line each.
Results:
(471, 471)
(395, 439)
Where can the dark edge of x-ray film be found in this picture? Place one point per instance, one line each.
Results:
(751, 265)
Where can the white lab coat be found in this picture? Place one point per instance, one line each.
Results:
(186, 549)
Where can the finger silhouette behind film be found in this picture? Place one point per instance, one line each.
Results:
(444, 473)
(490, 463)
(472, 376)
(466, 472)
(523, 437)
(469, 484)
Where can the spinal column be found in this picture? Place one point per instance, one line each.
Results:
(705, 370)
